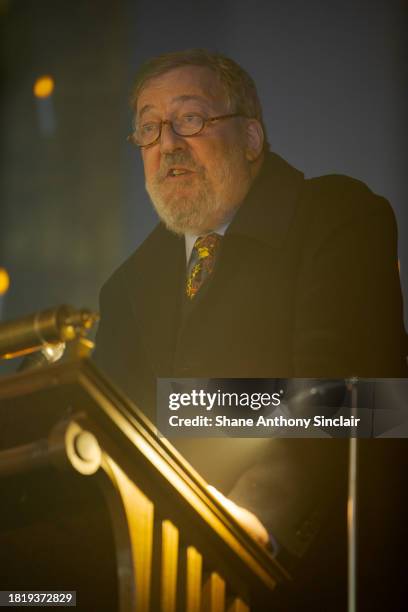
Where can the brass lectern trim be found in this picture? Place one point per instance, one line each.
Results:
(194, 563)
(213, 599)
(160, 507)
(169, 561)
(139, 512)
(238, 606)
(196, 497)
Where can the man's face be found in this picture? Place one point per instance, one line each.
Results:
(213, 172)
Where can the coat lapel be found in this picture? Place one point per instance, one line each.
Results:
(264, 217)
(155, 282)
(270, 205)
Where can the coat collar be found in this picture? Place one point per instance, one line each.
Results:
(270, 205)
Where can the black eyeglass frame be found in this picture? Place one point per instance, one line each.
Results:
(131, 138)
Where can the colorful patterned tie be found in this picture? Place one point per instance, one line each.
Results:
(203, 256)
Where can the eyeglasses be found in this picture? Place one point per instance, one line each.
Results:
(149, 133)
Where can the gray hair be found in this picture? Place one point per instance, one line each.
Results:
(239, 87)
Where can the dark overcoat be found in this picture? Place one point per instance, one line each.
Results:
(306, 284)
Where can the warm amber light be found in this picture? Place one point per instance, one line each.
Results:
(4, 281)
(43, 87)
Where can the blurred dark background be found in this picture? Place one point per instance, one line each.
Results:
(331, 77)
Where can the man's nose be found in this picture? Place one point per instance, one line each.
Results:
(169, 140)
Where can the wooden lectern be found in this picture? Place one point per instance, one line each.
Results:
(93, 500)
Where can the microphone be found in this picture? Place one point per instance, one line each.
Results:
(34, 332)
(304, 396)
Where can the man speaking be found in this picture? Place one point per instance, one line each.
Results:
(253, 272)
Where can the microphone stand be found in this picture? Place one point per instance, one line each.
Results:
(352, 524)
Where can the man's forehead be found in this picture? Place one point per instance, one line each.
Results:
(179, 85)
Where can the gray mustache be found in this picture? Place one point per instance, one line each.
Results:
(179, 158)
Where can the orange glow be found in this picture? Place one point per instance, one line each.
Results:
(43, 87)
(4, 281)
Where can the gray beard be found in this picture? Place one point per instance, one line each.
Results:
(204, 210)
(183, 214)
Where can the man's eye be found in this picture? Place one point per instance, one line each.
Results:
(189, 117)
(148, 128)
(191, 120)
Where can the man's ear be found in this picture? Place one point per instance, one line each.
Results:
(254, 138)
